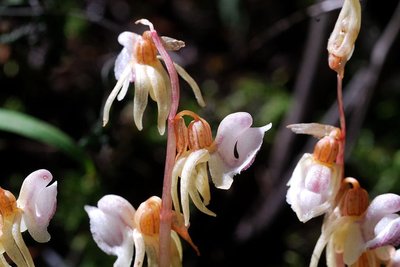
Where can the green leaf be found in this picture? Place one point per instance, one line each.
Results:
(33, 128)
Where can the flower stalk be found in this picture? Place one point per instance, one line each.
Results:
(166, 206)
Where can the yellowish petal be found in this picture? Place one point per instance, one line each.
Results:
(176, 172)
(196, 89)
(142, 87)
(13, 243)
(107, 106)
(140, 249)
(187, 179)
(160, 91)
(202, 183)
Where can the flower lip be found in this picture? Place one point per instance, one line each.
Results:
(38, 201)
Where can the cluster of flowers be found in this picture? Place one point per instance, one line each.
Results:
(355, 232)
(116, 226)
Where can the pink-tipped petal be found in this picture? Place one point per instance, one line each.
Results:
(38, 202)
(380, 206)
(111, 227)
(237, 145)
(387, 232)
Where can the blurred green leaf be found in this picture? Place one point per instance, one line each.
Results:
(30, 127)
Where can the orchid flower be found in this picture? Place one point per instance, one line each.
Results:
(358, 233)
(316, 178)
(118, 229)
(32, 211)
(233, 150)
(138, 63)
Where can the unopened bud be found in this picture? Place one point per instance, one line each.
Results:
(8, 203)
(199, 134)
(341, 42)
(326, 150)
(355, 200)
(147, 216)
(145, 50)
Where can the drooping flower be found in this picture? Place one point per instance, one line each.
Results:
(32, 211)
(358, 233)
(138, 63)
(118, 229)
(233, 150)
(342, 39)
(316, 178)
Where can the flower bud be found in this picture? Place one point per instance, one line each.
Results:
(326, 150)
(199, 134)
(145, 51)
(147, 216)
(355, 200)
(181, 135)
(8, 203)
(341, 42)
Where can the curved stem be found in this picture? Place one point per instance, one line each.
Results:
(166, 207)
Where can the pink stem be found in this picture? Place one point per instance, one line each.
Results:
(342, 118)
(166, 207)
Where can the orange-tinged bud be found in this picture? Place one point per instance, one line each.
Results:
(355, 200)
(147, 216)
(326, 150)
(145, 50)
(8, 203)
(199, 134)
(181, 135)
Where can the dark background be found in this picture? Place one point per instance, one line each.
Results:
(268, 58)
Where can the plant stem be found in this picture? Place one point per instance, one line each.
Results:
(166, 207)
(342, 119)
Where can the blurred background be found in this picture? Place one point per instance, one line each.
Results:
(267, 58)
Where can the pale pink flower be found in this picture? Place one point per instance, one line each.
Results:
(233, 150)
(32, 211)
(138, 63)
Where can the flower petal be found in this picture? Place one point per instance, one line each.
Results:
(196, 89)
(128, 40)
(139, 247)
(160, 91)
(142, 88)
(353, 246)
(187, 179)
(176, 172)
(237, 145)
(120, 83)
(380, 206)
(312, 188)
(112, 227)
(38, 202)
(387, 232)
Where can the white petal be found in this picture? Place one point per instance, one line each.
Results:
(324, 183)
(128, 39)
(120, 83)
(387, 232)
(380, 206)
(237, 146)
(109, 228)
(139, 247)
(38, 202)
